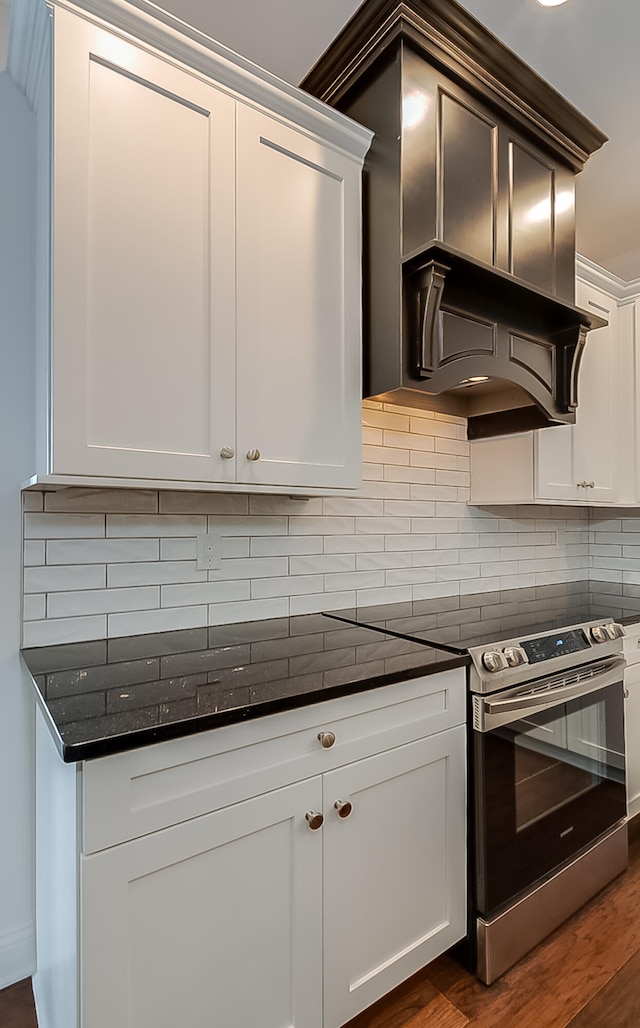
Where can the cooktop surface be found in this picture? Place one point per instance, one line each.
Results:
(459, 622)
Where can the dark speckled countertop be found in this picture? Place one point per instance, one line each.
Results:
(112, 695)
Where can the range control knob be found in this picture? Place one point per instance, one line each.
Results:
(494, 661)
(615, 631)
(514, 656)
(599, 634)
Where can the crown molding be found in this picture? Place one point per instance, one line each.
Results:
(618, 288)
(28, 42)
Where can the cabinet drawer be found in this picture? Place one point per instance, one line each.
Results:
(131, 794)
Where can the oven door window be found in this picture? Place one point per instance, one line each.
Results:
(547, 785)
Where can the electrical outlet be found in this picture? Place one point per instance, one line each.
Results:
(208, 557)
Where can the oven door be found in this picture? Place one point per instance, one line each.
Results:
(549, 776)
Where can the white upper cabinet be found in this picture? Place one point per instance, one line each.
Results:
(205, 278)
(574, 464)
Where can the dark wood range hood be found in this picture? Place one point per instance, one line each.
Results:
(469, 219)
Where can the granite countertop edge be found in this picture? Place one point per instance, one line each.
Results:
(92, 748)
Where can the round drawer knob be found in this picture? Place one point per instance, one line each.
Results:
(326, 739)
(314, 820)
(343, 809)
(253, 454)
(227, 453)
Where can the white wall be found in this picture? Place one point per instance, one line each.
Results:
(17, 189)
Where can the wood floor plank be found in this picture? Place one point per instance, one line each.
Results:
(617, 1005)
(414, 1004)
(16, 1006)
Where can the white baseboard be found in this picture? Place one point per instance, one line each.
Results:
(17, 955)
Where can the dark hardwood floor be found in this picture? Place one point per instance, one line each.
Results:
(585, 975)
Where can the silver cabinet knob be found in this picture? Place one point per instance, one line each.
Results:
(314, 820)
(626, 694)
(227, 453)
(326, 739)
(591, 484)
(343, 809)
(253, 454)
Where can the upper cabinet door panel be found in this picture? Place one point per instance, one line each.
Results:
(298, 331)
(468, 188)
(531, 218)
(143, 237)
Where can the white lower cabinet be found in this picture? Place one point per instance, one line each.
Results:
(217, 921)
(294, 908)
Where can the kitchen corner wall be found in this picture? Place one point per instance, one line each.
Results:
(120, 562)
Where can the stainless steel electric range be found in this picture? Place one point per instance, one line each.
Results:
(547, 802)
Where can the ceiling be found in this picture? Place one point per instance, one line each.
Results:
(587, 49)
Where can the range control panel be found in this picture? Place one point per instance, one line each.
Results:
(503, 663)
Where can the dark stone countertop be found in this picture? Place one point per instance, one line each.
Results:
(112, 695)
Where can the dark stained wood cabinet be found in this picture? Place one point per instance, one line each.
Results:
(469, 215)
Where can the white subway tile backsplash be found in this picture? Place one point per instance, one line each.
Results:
(354, 580)
(163, 620)
(313, 603)
(322, 564)
(54, 630)
(408, 541)
(203, 503)
(285, 505)
(383, 561)
(119, 562)
(250, 567)
(56, 579)
(321, 526)
(164, 572)
(361, 506)
(63, 526)
(34, 607)
(411, 576)
(102, 601)
(33, 552)
(386, 419)
(285, 545)
(32, 501)
(385, 455)
(152, 526)
(101, 551)
(382, 526)
(248, 610)
(103, 501)
(292, 585)
(178, 549)
(419, 508)
(387, 594)
(191, 595)
(354, 543)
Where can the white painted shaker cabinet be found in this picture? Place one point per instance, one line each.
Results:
(250, 876)
(205, 221)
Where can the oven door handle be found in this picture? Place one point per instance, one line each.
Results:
(491, 713)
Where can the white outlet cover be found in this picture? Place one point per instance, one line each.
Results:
(208, 555)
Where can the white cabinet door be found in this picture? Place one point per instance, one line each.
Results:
(580, 462)
(394, 869)
(217, 921)
(143, 372)
(298, 308)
